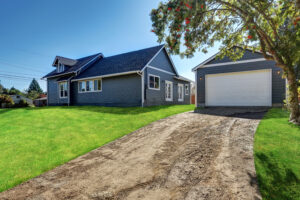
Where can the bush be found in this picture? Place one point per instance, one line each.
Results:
(6, 101)
(22, 103)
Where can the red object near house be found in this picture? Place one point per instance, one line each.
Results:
(193, 99)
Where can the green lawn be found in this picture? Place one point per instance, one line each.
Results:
(277, 156)
(35, 140)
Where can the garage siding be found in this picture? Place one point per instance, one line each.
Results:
(278, 83)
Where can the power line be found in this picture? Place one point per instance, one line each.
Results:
(16, 73)
(21, 67)
(17, 76)
(29, 52)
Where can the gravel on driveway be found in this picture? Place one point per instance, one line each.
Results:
(185, 156)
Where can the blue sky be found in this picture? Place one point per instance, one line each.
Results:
(33, 32)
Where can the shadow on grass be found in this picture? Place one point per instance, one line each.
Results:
(237, 112)
(2, 111)
(118, 110)
(278, 182)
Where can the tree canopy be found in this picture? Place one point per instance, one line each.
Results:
(34, 86)
(268, 26)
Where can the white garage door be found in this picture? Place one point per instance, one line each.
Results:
(250, 88)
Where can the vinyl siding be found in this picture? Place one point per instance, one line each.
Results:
(53, 94)
(163, 62)
(157, 97)
(247, 55)
(120, 91)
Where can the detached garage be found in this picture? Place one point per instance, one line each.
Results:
(250, 81)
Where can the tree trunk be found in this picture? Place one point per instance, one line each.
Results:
(293, 97)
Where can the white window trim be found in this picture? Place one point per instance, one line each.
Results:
(154, 82)
(203, 65)
(169, 99)
(93, 85)
(62, 82)
(62, 66)
(181, 85)
(186, 92)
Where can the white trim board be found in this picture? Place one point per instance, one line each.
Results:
(172, 63)
(161, 70)
(230, 63)
(152, 58)
(107, 75)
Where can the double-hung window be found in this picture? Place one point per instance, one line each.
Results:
(63, 90)
(94, 85)
(169, 91)
(180, 92)
(154, 82)
(186, 89)
(60, 68)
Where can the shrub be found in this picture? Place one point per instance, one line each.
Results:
(22, 103)
(6, 101)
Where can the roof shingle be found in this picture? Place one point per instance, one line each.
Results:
(80, 63)
(131, 61)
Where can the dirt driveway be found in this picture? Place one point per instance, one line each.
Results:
(186, 156)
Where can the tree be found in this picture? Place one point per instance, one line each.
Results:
(33, 94)
(14, 91)
(34, 86)
(1, 89)
(269, 26)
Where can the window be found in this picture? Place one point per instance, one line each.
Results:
(60, 68)
(153, 82)
(90, 85)
(180, 92)
(169, 91)
(186, 89)
(63, 90)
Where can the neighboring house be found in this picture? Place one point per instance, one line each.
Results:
(145, 77)
(17, 99)
(40, 102)
(250, 81)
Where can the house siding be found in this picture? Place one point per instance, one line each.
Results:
(247, 55)
(163, 62)
(119, 91)
(157, 97)
(278, 82)
(53, 94)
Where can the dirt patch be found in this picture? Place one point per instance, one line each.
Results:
(186, 156)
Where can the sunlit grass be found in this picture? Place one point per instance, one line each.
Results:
(35, 140)
(277, 156)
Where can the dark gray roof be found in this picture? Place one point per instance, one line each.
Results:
(80, 63)
(126, 62)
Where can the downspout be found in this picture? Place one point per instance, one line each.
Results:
(69, 89)
(142, 82)
(47, 93)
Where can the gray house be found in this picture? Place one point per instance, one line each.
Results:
(250, 81)
(145, 77)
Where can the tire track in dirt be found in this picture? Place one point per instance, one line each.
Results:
(186, 156)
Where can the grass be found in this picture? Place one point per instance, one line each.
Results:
(277, 156)
(35, 140)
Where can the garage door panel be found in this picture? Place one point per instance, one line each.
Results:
(251, 88)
